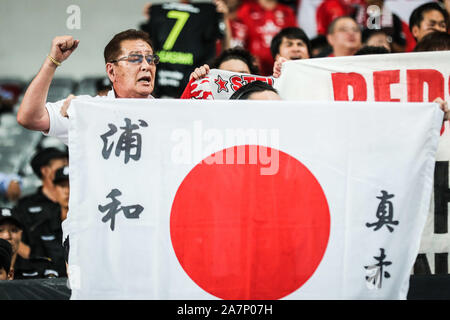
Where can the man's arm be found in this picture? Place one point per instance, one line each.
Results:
(32, 113)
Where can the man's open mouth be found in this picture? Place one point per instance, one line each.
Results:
(144, 79)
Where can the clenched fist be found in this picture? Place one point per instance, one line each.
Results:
(62, 47)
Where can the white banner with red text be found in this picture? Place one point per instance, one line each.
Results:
(404, 77)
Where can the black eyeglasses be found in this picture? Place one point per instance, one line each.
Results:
(138, 58)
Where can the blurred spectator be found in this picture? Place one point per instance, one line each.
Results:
(374, 15)
(6, 100)
(446, 5)
(264, 19)
(184, 35)
(5, 260)
(371, 50)
(320, 46)
(434, 41)
(237, 31)
(427, 18)
(10, 91)
(376, 38)
(344, 36)
(10, 186)
(11, 230)
(329, 10)
(62, 187)
(41, 214)
(62, 191)
(102, 86)
(289, 44)
(236, 60)
(256, 90)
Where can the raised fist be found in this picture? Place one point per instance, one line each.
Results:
(62, 47)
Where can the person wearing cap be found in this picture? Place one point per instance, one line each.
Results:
(5, 260)
(289, 44)
(61, 182)
(40, 212)
(11, 230)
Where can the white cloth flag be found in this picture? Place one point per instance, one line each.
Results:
(331, 205)
(403, 77)
(416, 77)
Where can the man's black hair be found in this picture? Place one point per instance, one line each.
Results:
(417, 15)
(237, 53)
(371, 50)
(244, 92)
(368, 33)
(289, 33)
(434, 41)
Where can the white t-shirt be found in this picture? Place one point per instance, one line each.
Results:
(59, 125)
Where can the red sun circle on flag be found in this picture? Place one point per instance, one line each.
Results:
(240, 234)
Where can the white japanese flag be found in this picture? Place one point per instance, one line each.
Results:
(322, 200)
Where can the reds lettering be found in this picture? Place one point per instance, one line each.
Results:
(416, 80)
(239, 81)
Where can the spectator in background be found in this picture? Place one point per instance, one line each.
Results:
(10, 186)
(427, 18)
(371, 50)
(237, 31)
(344, 36)
(434, 41)
(320, 47)
(289, 44)
(5, 260)
(264, 19)
(184, 35)
(41, 214)
(61, 182)
(236, 60)
(103, 86)
(374, 15)
(329, 10)
(446, 5)
(62, 190)
(256, 90)
(376, 38)
(11, 230)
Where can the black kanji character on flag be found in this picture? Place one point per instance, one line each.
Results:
(385, 213)
(376, 271)
(129, 142)
(113, 208)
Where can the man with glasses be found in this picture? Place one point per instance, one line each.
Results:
(344, 36)
(130, 66)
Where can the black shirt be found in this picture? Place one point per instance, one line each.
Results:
(184, 36)
(41, 218)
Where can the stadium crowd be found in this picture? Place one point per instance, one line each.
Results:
(249, 36)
